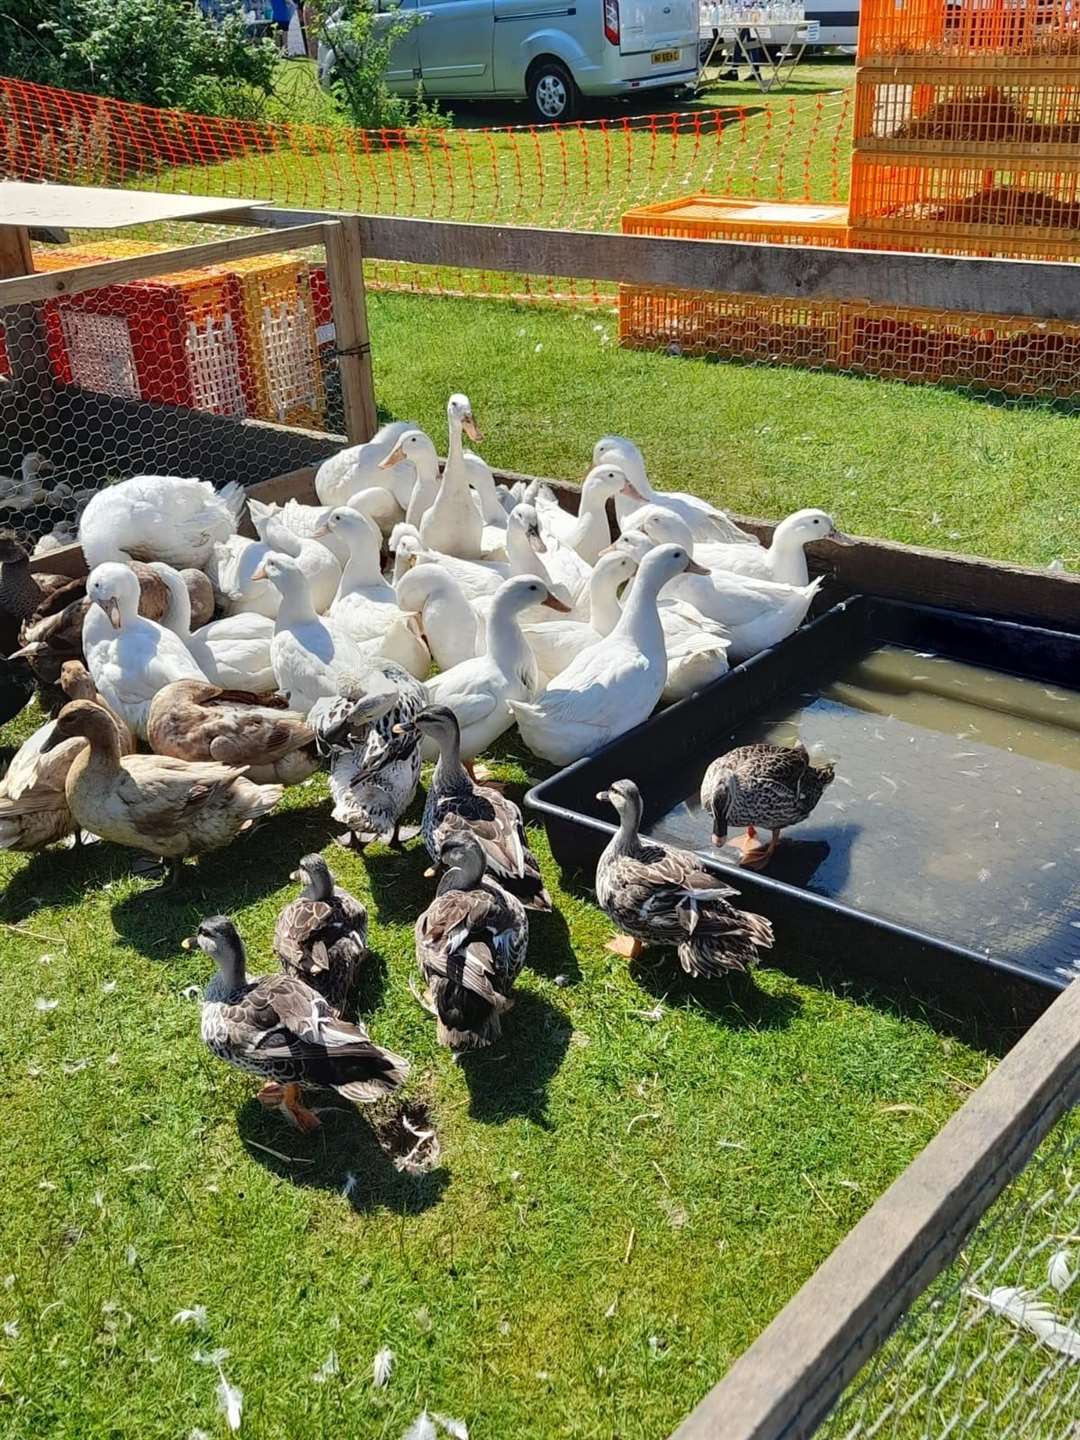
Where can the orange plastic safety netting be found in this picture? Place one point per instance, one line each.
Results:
(579, 176)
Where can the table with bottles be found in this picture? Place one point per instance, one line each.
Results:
(769, 39)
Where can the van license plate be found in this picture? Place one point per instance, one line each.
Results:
(664, 57)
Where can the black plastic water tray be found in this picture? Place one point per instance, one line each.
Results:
(945, 858)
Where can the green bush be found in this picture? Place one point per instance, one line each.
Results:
(157, 52)
(362, 42)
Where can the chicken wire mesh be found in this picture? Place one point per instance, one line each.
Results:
(200, 373)
(991, 1350)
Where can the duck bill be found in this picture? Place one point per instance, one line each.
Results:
(188, 943)
(396, 456)
(472, 430)
(554, 603)
(51, 743)
(537, 543)
(295, 875)
(111, 608)
(320, 531)
(603, 796)
(839, 538)
(259, 573)
(631, 490)
(693, 568)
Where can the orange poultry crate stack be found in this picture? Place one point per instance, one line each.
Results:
(279, 364)
(980, 34)
(748, 327)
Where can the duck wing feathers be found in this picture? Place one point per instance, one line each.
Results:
(284, 1027)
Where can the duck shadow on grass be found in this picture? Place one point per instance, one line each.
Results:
(512, 1077)
(551, 948)
(154, 921)
(342, 1155)
(735, 999)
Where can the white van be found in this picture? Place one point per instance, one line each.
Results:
(549, 52)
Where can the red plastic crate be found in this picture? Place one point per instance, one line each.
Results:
(171, 340)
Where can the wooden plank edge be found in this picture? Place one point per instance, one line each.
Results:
(960, 284)
(792, 1375)
(79, 278)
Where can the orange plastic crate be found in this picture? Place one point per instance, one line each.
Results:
(1017, 356)
(979, 32)
(1023, 114)
(279, 368)
(1030, 207)
(720, 217)
(770, 329)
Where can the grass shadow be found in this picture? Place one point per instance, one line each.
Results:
(57, 877)
(342, 1155)
(735, 999)
(551, 946)
(154, 921)
(512, 1078)
(367, 994)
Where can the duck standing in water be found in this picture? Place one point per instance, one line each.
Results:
(771, 786)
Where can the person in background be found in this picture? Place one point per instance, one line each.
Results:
(281, 16)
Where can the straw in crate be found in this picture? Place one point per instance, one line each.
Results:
(279, 364)
(1026, 207)
(1012, 355)
(1023, 113)
(170, 339)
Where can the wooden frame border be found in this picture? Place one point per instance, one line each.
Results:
(1048, 290)
(792, 1375)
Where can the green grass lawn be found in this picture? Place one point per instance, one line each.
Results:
(917, 464)
(632, 1183)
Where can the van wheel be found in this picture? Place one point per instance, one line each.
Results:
(552, 92)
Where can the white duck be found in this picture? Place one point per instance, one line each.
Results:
(706, 521)
(313, 658)
(453, 630)
(366, 606)
(23, 491)
(416, 448)
(565, 572)
(587, 532)
(611, 687)
(231, 569)
(453, 523)
(785, 559)
(479, 691)
(159, 517)
(129, 657)
(555, 643)
(305, 520)
(319, 566)
(357, 468)
(754, 613)
(233, 653)
(480, 579)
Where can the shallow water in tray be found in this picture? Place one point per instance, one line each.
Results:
(955, 810)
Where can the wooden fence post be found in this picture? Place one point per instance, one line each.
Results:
(345, 272)
(27, 343)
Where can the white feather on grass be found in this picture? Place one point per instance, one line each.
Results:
(382, 1368)
(1026, 1311)
(195, 1316)
(328, 1368)
(457, 1429)
(1059, 1272)
(422, 1428)
(230, 1400)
